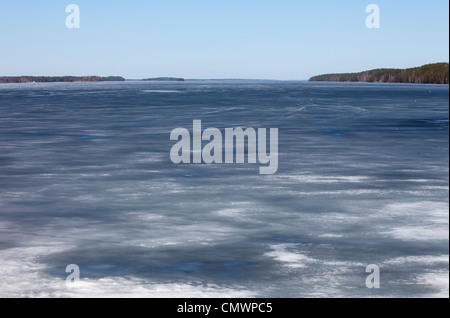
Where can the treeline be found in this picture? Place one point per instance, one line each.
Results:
(58, 79)
(437, 73)
(113, 79)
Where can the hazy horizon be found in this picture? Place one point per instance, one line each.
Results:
(193, 79)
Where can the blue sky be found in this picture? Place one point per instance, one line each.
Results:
(282, 39)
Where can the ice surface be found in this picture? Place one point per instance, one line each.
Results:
(86, 179)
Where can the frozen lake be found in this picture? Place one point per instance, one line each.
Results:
(86, 179)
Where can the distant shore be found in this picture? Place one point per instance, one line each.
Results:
(165, 79)
(58, 79)
(437, 73)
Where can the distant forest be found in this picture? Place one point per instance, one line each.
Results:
(55, 79)
(437, 73)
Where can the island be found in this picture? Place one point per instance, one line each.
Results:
(165, 79)
(59, 79)
(437, 73)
